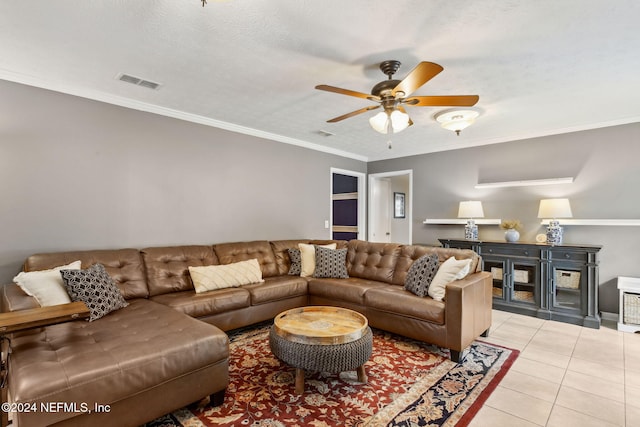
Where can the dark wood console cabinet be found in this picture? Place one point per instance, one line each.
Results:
(545, 281)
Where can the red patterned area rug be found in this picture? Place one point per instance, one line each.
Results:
(410, 383)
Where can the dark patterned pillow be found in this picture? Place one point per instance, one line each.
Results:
(331, 263)
(421, 274)
(95, 288)
(296, 261)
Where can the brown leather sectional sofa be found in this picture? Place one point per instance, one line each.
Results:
(167, 349)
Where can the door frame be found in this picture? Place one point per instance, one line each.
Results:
(362, 200)
(408, 208)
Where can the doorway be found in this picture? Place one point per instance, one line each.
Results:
(390, 207)
(348, 205)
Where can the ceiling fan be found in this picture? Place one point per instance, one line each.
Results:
(393, 94)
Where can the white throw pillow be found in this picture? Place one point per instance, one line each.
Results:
(450, 270)
(212, 277)
(308, 258)
(46, 286)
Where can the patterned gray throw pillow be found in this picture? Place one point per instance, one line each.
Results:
(95, 288)
(331, 263)
(421, 274)
(296, 262)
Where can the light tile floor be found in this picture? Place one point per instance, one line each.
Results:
(565, 375)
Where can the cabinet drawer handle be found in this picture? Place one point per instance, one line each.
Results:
(490, 251)
(526, 253)
(567, 256)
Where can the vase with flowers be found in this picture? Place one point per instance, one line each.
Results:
(511, 226)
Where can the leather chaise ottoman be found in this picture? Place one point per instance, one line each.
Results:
(139, 362)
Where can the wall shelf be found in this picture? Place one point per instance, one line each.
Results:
(605, 222)
(462, 221)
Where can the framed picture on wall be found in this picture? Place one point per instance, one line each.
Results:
(398, 205)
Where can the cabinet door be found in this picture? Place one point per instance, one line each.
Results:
(514, 280)
(497, 268)
(568, 287)
(523, 280)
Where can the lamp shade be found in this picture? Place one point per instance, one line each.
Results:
(554, 208)
(380, 122)
(470, 209)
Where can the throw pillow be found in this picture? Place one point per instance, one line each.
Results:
(46, 286)
(296, 261)
(421, 274)
(308, 256)
(331, 263)
(212, 277)
(450, 270)
(95, 288)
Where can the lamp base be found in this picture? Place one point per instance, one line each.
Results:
(554, 233)
(471, 230)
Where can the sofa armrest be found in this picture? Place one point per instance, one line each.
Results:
(14, 299)
(468, 309)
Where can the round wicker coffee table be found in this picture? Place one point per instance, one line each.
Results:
(322, 339)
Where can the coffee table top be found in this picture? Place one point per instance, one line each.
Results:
(320, 325)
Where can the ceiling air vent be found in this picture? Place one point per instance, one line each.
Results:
(138, 81)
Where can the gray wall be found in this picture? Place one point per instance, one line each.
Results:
(604, 162)
(80, 174)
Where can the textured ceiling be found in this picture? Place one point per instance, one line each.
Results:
(540, 67)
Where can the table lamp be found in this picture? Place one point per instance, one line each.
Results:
(470, 209)
(552, 209)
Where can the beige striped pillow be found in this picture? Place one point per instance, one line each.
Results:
(212, 277)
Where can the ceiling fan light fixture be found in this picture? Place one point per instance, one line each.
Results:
(456, 120)
(399, 121)
(380, 122)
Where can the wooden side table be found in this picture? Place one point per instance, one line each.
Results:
(23, 320)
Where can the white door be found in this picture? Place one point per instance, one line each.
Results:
(384, 227)
(381, 213)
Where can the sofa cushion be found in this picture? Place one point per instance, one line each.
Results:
(207, 303)
(276, 288)
(46, 286)
(124, 266)
(420, 275)
(331, 263)
(95, 288)
(168, 267)
(450, 270)
(372, 261)
(212, 277)
(349, 290)
(228, 253)
(107, 361)
(394, 299)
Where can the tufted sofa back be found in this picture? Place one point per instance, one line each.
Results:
(372, 261)
(168, 267)
(162, 270)
(410, 253)
(125, 266)
(241, 251)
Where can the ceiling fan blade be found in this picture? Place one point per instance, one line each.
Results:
(401, 108)
(423, 72)
(353, 113)
(443, 101)
(348, 92)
